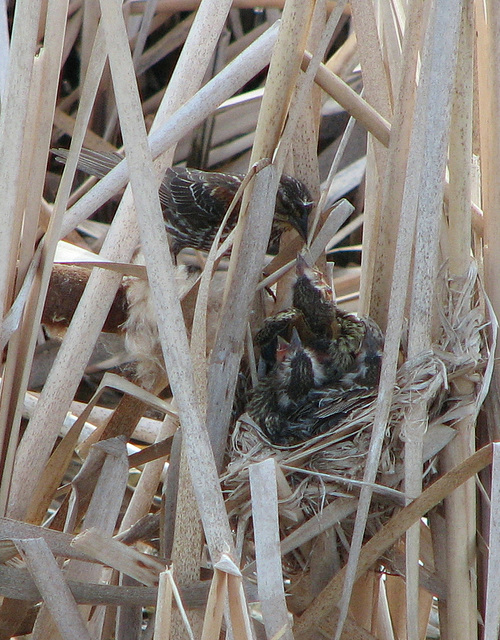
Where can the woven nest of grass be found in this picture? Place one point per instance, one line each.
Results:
(330, 466)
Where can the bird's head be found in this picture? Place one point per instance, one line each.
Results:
(310, 284)
(298, 367)
(293, 206)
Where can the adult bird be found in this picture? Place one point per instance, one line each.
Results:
(194, 202)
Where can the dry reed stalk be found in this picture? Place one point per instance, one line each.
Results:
(489, 99)
(462, 603)
(17, 126)
(382, 35)
(378, 263)
(244, 269)
(13, 120)
(53, 589)
(369, 117)
(422, 312)
(376, 89)
(492, 608)
(266, 528)
(424, 160)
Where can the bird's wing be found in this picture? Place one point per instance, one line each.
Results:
(190, 191)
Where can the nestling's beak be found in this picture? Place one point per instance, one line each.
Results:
(300, 265)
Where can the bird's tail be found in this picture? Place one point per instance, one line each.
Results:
(95, 163)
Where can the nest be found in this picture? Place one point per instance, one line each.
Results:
(330, 466)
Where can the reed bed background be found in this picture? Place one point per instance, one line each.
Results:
(389, 527)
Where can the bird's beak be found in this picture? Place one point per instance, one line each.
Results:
(300, 225)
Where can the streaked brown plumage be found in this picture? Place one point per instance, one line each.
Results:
(337, 337)
(194, 202)
(285, 389)
(344, 350)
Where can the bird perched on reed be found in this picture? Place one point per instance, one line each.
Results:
(194, 202)
(343, 350)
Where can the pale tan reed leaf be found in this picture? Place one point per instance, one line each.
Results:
(488, 97)
(376, 85)
(161, 275)
(104, 507)
(55, 592)
(67, 253)
(142, 31)
(52, 475)
(171, 40)
(326, 187)
(336, 218)
(151, 475)
(199, 331)
(304, 86)
(146, 431)
(384, 621)
(391, 27)
(12, 122)
(4, 50)
(322, 521)
(358, 108)
(378, 259)
(240, 620)
(461, 520)
(17, 584)
(346, 230)
(142, 567)
(58, 542)
(119, 383)
(163, 618)
(215, 606)
(180, 606)
(266, 533)
(109, 460)
(194, 61)
(339, 214)
(459, 225)
(12, 319)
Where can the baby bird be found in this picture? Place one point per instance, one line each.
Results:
(339, 339)
(343, 350)
(285, 389)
